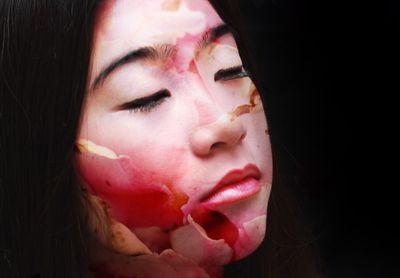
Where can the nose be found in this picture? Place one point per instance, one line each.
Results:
(222, 133)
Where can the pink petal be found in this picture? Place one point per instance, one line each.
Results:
(191, 241)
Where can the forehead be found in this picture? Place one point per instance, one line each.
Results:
(129, 24)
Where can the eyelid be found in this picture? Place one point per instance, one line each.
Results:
(231, 73)
(145, 104)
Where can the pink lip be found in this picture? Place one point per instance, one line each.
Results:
(235, 186)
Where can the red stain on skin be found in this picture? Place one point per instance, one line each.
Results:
(216, 225)
(179, 198)
(135, 198)
(145, 207)
(192, 67)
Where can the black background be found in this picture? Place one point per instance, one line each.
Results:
(330, 72)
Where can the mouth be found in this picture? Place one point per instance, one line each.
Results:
(237, 185)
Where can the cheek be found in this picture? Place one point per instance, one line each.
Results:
(257, 140)
(139, 194)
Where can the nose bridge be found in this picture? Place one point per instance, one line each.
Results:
(215, 129)
(207, 111)
(207, 108)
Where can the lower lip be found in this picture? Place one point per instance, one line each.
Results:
(234, 193)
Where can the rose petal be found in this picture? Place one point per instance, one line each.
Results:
(109, 232)
(192, 242)
(250, 236)
(134, 200)
(154, 238)
(248, 212)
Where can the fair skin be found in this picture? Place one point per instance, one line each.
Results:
(172, 151)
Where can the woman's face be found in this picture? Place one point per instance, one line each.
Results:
(173, 136)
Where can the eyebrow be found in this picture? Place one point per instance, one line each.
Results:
(157, 52)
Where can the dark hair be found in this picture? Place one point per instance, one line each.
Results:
(289, 248)
(44, 59)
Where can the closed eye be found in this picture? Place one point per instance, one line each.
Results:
(146, 104)
(231, 73)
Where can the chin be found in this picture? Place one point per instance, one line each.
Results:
(250, 237)
(250, 220)
(232, 239)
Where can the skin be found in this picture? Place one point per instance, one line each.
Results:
(147, 171)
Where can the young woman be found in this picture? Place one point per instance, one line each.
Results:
(133, 142)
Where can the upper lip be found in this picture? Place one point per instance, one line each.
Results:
(234, 176)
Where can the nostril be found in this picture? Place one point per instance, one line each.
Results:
(217, 145)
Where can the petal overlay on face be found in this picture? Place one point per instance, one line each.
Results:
(134, 199)
(193, 242)
(112, 234)
(185, 174)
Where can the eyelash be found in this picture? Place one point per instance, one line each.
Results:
(231, 73)
(146, 104)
